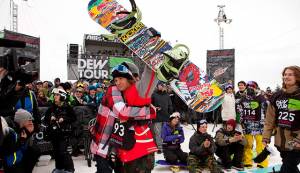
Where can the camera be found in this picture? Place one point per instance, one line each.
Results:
(13, 63)
(39, 136)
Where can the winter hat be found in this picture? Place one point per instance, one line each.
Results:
(228, 86)
(174, 115)
(22, 115)
(201, 122)
(231, 122)
(132, 67)
(122, 71)
(92, 87)
(252, 84)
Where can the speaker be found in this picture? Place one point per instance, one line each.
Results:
(73, 50)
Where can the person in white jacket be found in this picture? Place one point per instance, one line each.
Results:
(228, 106)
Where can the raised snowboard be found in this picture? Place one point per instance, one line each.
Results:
(189, 82)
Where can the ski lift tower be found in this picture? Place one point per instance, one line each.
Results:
(222, 19)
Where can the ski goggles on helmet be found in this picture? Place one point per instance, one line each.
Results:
(122, 70)
(201, 122)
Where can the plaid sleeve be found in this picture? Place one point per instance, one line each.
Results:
(124, 112)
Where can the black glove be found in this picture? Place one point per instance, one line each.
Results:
(262, 156)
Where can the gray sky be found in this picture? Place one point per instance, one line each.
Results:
(264, 33)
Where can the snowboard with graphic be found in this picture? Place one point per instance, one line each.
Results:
(190, 83)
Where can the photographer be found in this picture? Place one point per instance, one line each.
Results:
(16, 152)
(58, 118)
(7, 96)
(11, 70)
(229, 141)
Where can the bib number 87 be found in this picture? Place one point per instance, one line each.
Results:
(119, 129)
(286, 116)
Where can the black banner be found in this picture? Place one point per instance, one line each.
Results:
(220, 65)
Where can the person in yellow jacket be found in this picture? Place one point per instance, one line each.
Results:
(283, 116)
(252, 111)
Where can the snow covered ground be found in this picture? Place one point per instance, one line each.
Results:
(81, 164)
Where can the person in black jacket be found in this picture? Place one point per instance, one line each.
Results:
(202, 149)
(162, 101)
(59, 118)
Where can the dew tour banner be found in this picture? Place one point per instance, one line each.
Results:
(88, 67)
(220, 65)
(93, 66)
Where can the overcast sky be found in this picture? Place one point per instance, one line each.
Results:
(264, 33)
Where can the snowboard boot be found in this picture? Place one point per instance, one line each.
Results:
(174, 60)
(144, 144)
(58, 171)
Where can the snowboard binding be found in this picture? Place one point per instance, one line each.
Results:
(174, 60)
(122, 26)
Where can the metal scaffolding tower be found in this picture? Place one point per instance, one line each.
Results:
(14, 16)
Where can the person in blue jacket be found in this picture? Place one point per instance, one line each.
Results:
(172, 136)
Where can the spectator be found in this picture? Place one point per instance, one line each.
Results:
(202, 150)
(162, 101)
(228, 105)
(268, 93)
(79, 97)
(17, 154)
(38, 86)
(56, 82)
(238, 95)
(230, 142)
(58, 118)
(172, 136)
(42, 99)
(91, 98)
(46, 89)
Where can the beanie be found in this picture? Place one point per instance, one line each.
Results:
(22, 115)
(228, 86)
(231, 122)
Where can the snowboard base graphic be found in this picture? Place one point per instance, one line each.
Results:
(200, 92)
